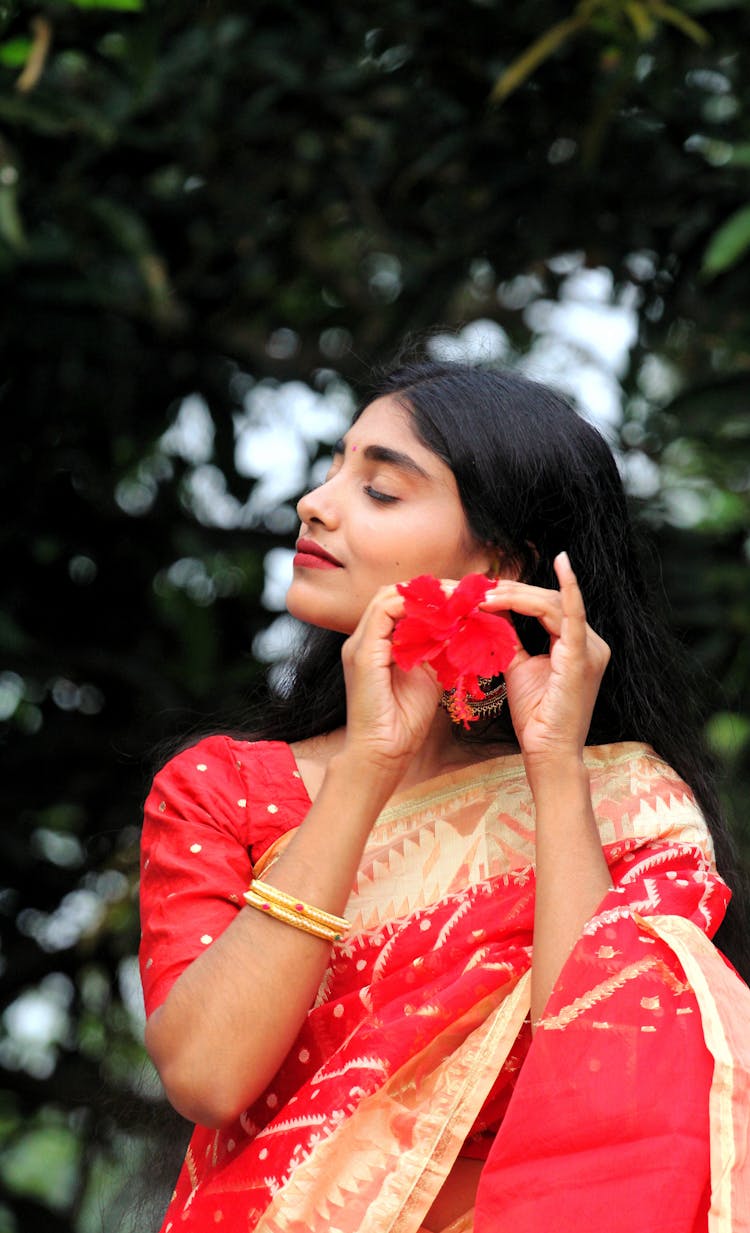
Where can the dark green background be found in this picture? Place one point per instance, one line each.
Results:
(181, 185)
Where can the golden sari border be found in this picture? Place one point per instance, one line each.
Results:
(505, 766)
(507, 1019)
(724, 1005)
(368, 1145)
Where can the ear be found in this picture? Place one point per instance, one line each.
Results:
(494, 567)
(499, 565)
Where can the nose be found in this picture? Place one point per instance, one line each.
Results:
(318, 506)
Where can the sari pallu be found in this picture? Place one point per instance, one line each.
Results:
(420, 1034)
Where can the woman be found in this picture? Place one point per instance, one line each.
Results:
(471, 986)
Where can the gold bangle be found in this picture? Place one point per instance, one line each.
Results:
(288, 917)
(294, 912)
(285, 900)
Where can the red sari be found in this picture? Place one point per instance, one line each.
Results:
(630, 1108)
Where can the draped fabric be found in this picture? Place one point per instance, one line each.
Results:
(633, 1098)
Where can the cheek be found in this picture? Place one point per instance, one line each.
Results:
(443, 554)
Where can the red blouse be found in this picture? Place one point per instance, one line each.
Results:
(212, 812)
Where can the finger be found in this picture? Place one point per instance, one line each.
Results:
(387, 601)
(577, 633)
(526, 600)
(379, 617)
(574, 627)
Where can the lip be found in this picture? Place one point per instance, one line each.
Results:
(310, 555)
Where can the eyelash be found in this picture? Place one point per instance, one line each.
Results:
(382, 497)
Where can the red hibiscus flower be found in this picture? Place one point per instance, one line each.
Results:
(451, 633)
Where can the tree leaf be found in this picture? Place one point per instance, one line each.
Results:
(676, 17)
(11, 226)
(15, 52)
(130, 6)
(540, 50)
(740, 156)
(37, 57)
(641, 20)
(710, 6)
(728, 734)
(728, 244)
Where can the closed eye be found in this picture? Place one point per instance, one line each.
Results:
(375, 495)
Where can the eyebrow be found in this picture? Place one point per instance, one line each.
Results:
(392, 458)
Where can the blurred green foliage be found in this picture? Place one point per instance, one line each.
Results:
(210, 200)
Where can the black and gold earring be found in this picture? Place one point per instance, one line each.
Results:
(481, 708)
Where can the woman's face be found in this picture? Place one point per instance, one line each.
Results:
(388, 510)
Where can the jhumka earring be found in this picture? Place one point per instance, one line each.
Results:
(481, 708)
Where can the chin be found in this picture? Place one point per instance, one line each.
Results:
(318, 614)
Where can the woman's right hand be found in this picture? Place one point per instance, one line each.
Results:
(389, 711)
(213, 1060)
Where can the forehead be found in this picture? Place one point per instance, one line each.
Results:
(387, 422)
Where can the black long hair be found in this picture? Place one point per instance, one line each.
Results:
(535, 478)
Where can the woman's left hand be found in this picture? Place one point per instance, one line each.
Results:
(551, 697)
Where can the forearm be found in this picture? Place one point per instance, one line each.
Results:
(572, 876)
(232, 1016)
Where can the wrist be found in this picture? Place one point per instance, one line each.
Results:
(553, 777)
(357, 777)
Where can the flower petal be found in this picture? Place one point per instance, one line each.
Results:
(414, 642)
(450, 632)
(470, 591)
(422, 593)
(485, 643)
